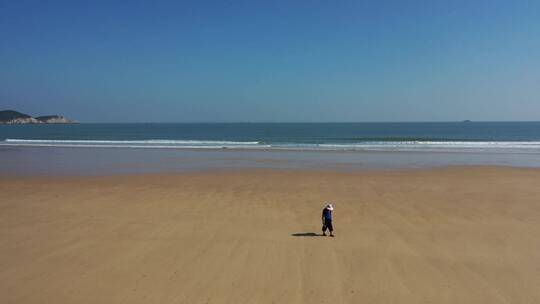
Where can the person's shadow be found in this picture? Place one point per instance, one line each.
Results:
(305, 234)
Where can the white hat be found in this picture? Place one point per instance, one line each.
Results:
(329, 207)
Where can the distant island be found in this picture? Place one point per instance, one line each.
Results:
(11, 117)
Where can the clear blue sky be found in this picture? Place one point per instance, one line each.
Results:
(107, 61)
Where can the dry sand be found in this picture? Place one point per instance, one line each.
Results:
(455, 235)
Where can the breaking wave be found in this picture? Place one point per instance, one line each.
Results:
(385, 145)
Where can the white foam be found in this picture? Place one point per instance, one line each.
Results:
(427, 146)
(131, 142)
(441, 146)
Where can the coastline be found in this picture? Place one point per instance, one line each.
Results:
(54, 161)
(463, 234)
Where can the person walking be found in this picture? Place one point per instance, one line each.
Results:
(327, 219)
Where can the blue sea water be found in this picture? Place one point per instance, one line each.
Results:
(452, 136)
(151, 147)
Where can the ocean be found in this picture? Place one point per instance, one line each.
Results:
(152, 146)
(462, 136)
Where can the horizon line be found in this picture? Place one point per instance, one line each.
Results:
(298, 122)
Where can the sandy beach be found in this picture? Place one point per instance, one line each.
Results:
(451, 235)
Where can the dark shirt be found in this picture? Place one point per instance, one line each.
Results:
(327, 214)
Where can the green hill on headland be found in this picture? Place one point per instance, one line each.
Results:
(14, 117)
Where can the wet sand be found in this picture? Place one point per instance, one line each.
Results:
(453, 235)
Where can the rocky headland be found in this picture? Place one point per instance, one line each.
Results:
(11, 117)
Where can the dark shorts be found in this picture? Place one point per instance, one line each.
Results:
(327, 225)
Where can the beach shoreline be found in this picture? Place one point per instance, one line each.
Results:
(55, 161)
(464, 234)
